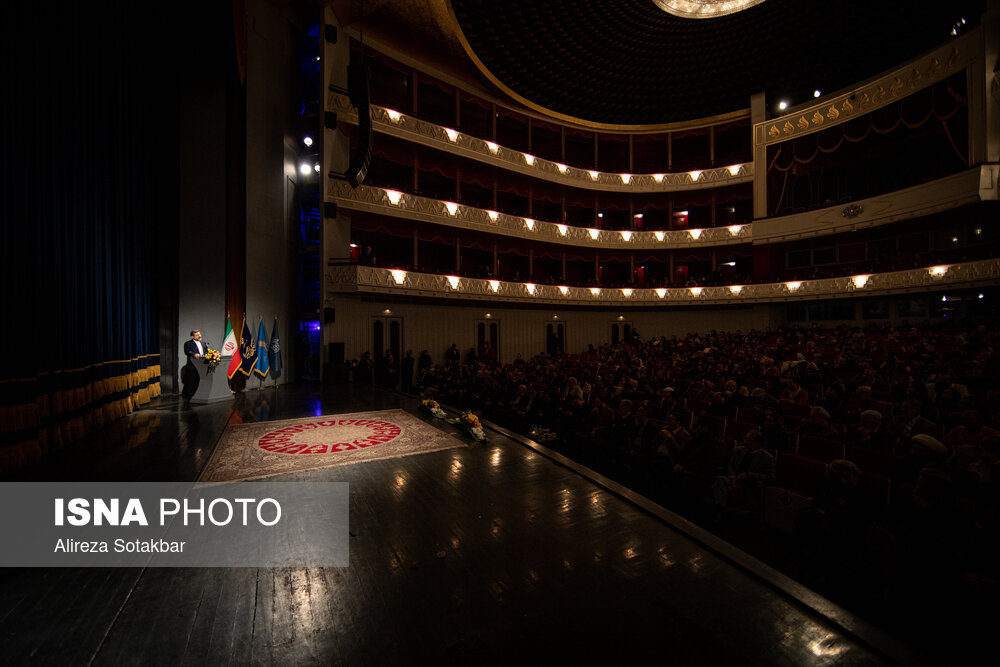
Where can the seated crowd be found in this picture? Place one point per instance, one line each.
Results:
(876, 448)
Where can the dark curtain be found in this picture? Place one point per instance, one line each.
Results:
(80, 227)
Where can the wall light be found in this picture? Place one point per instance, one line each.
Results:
(594, 233)
(794, 285)
(736, 289)
(493, 215)
(394, 196)
(494, 148)
(453, 281)
(658, 178)
(398, 275)
(452, 207)
(626, 291)
(938, 270)
(734, 169)
(530, 287)
(495, 285)
(695, 175)
(529, 223)
(860, 281)
(594, 175)
(529, 159)
(626, 235)
(305, 169)
(696, 291)
(393, 114)
(661, 292)
(595, 291)
(564, 289)
(562, 229)
(735, 229)
(452, 134)
(561, 167)
(695, 233)
(626, 178)
(658, 235)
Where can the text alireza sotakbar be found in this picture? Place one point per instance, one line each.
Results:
(109, 512)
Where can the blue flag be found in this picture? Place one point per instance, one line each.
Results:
(274, 351)
(248, 350)
(262, 356)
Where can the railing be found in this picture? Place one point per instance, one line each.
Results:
(363, 279)
(403, 205)
(393, 123)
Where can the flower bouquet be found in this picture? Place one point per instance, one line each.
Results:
(211, 359)
(432, 406)
(471, 423)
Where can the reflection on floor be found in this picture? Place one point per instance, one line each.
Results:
(488, 553)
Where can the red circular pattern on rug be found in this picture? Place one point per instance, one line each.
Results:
(329, 436)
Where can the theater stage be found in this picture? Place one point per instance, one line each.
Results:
(484, 553)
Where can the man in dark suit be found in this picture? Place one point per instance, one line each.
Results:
(193, 349)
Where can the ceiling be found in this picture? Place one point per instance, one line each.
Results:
(617, 63)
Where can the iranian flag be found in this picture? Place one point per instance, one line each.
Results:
(230, 348)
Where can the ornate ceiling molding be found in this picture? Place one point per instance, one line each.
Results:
(704, 9)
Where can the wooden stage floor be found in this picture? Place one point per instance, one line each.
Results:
(484, 554)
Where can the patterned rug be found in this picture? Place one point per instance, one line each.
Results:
(252, 451)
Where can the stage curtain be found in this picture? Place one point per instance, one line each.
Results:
(79, 241)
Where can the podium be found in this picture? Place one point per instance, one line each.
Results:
(212, 386)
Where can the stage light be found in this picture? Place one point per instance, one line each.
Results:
(305, 169)
(307, 140)
(782, 105)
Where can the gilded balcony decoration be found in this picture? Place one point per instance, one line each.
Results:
(348, 279)
(412, 207)
(412, 129)
(890, 87)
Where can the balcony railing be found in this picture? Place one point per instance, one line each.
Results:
(341, 279)
(403, 205)
(393, 123)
